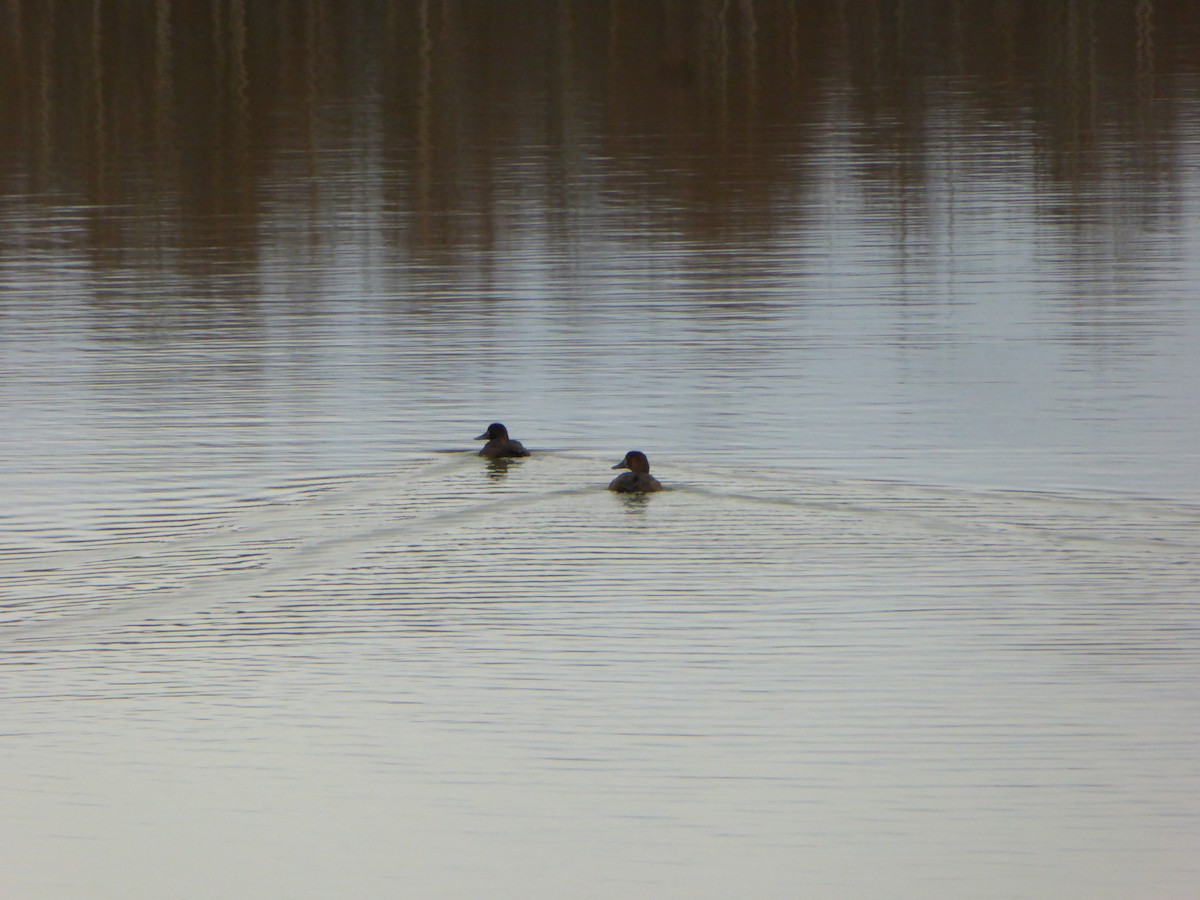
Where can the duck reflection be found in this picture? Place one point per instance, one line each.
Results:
(635, 504)
(497, 468)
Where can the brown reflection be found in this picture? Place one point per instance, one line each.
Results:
(193, 119)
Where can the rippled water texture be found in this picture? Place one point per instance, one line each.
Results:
(901, 300)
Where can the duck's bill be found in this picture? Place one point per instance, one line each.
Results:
(482, 437)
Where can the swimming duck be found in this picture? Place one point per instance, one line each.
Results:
(499, 445)
(638, 478)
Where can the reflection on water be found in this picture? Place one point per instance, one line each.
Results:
(200, 139)
(899, 297)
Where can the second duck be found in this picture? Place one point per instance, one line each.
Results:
(638, 479)
(499, 445)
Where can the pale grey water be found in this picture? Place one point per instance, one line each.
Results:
(917, 616)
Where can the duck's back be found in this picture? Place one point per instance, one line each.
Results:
(634, 482)
(499, 448)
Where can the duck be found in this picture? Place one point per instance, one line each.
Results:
(499, 445)
(638, 479)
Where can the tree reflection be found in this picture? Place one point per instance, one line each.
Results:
(206, 129)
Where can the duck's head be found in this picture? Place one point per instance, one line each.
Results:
(495, 432)
(634, 461)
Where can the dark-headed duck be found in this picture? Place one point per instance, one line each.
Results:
(499, 445)
(638, 478)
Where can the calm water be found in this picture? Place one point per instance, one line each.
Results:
(902, 301)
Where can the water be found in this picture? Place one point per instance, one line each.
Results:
(903, 310)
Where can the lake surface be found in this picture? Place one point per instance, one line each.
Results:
(901, 300)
